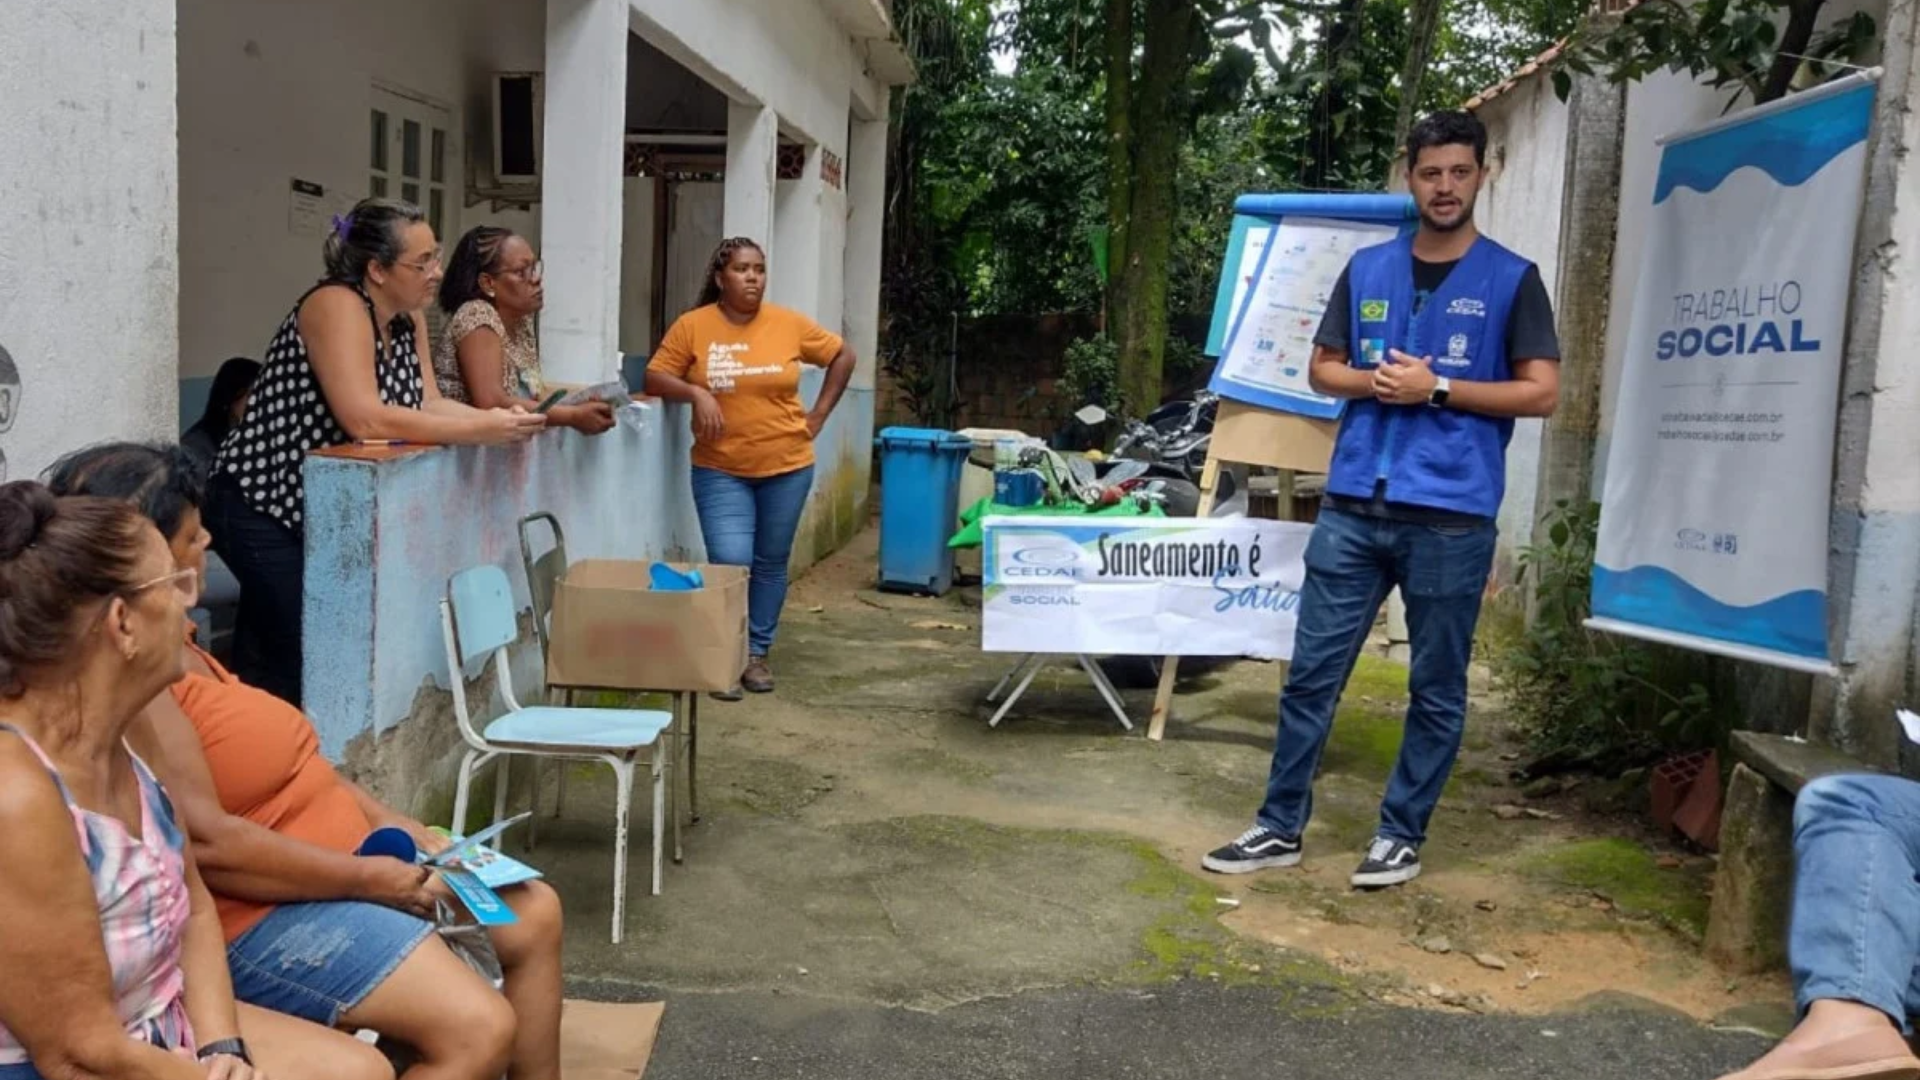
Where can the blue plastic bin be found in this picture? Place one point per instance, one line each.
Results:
(919, 507)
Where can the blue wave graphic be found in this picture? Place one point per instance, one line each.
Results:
(1795, 623)
(1790, 146)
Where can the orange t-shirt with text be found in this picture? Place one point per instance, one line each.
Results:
(267, 768)
(753, 372)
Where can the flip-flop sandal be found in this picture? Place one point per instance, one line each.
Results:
(1895, 1068)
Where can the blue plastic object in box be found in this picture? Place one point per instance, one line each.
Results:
(666, 579)
(1019, 487)
(919, 507)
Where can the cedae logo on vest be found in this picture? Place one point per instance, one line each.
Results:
(1468, 305)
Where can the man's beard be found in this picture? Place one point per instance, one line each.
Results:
(1466, 215)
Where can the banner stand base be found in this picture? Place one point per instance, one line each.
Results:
(1770, 657)
(1030, 665)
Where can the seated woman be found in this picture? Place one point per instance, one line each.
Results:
(226, 404)
(112, 965)
(277, 828)
(1854, 942)
(488, 356)
(345, 365)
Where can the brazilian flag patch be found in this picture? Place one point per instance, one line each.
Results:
(1373, 310)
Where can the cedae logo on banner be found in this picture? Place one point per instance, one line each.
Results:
(1468, 305)
(1042, 561)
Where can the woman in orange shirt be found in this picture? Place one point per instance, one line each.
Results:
(737, 360)
(314, 930)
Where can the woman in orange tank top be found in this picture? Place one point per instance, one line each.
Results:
(276, 830)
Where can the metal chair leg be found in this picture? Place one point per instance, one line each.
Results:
(500, 789)
(693, 757)
(460, 792)
(659, 812)
(623, 774)
(533, 804)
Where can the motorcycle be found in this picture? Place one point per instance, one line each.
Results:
(1159, 459)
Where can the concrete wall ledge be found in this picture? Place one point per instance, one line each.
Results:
(387, 527)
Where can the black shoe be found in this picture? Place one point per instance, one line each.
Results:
(1388, 862)
(1257, 849)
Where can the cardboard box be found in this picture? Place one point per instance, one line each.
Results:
(611, 630)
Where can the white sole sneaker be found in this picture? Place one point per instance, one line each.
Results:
(1381, 879)
(1248, 866)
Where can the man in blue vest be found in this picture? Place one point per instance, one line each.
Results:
(1437, 341)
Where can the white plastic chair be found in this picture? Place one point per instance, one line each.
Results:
(478, 620)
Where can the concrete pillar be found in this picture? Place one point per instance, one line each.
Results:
(796, 235)
(866, 228)
(580, 187)
(1589, 223)
(1875, 568)
(90, 246)
(753, 151)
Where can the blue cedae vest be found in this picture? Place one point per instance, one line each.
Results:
(1443, 458)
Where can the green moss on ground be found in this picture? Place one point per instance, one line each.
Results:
(1627, 874)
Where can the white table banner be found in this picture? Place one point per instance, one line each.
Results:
(1142, 586)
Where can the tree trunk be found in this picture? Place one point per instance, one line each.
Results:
(1323, 153)
(1802, 15)
(1160, 116)
(1425, 24)
(1119, 48)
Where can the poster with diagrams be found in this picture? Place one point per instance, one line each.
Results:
(1277, 314)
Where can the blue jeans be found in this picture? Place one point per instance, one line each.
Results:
(1855, 934)
(1352, 563)
(318, 960)
(750, 521)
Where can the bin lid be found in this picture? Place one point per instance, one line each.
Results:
(929, 438)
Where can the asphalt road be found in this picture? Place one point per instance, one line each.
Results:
(1188, 1030)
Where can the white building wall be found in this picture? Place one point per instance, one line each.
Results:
(789, 55)
(1520, 207)
(270, 92)
(88, 264)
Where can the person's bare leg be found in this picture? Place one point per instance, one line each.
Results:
(289, 1048)
(529, 953)
(436, 1004)
(1834, 1039)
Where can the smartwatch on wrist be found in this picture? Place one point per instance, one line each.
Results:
(1442, 389)
(227, 1047)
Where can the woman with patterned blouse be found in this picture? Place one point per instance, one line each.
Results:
(488, 355)
(344, 367)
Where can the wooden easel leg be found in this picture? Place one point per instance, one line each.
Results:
(1170, 666)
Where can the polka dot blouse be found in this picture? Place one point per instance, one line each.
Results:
(288, 416)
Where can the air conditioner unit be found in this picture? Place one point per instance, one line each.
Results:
(519, 112)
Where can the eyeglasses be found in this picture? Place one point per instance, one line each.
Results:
(431, 264)
(184, 582)
(530, 273)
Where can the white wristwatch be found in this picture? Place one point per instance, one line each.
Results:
(1442, 388)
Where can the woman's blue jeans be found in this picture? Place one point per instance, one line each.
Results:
(750, 521)
(1855, 934)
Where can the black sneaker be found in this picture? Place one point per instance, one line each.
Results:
(1388, 862)
(1257, 849)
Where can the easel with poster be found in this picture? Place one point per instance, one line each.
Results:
(1283, 257)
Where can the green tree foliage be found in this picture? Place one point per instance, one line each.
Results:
(1763, 49)
(1005, 181)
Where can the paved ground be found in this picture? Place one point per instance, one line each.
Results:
(881, 886)
(1185, 1030)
